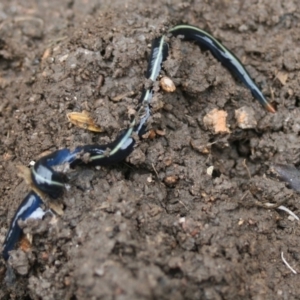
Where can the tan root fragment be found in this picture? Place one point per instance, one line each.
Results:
(215, 121)
(46, 54)
(121, 96)
(83, 120)
(160, 132)
(44, 153)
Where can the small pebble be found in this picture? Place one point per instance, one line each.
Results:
(167, 84)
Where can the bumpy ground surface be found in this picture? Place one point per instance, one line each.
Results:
(159, 225)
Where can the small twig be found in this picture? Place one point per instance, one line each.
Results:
(278, 206)
(269, 205)
(183, 205)
(155, 171)
(121, 96)
(288, 211)
(287, 264)
(272, 94)
(245, 194)
(246, 167)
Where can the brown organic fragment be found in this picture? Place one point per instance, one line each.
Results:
(215, 121)
(160, 132)
(282, 77)
(245, 117)
(83, 120)
(121, 96)
(171, 180)
(26, 243)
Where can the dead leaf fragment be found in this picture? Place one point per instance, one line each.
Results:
(171, 180)
(26, 242)
(83, 120)
(282, 77)
(215, 120)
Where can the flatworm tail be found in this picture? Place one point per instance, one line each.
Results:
(225, 56)
(30, 206)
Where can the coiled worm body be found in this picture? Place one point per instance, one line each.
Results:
(52, 182)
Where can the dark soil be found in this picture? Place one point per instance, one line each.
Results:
(157, 226)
